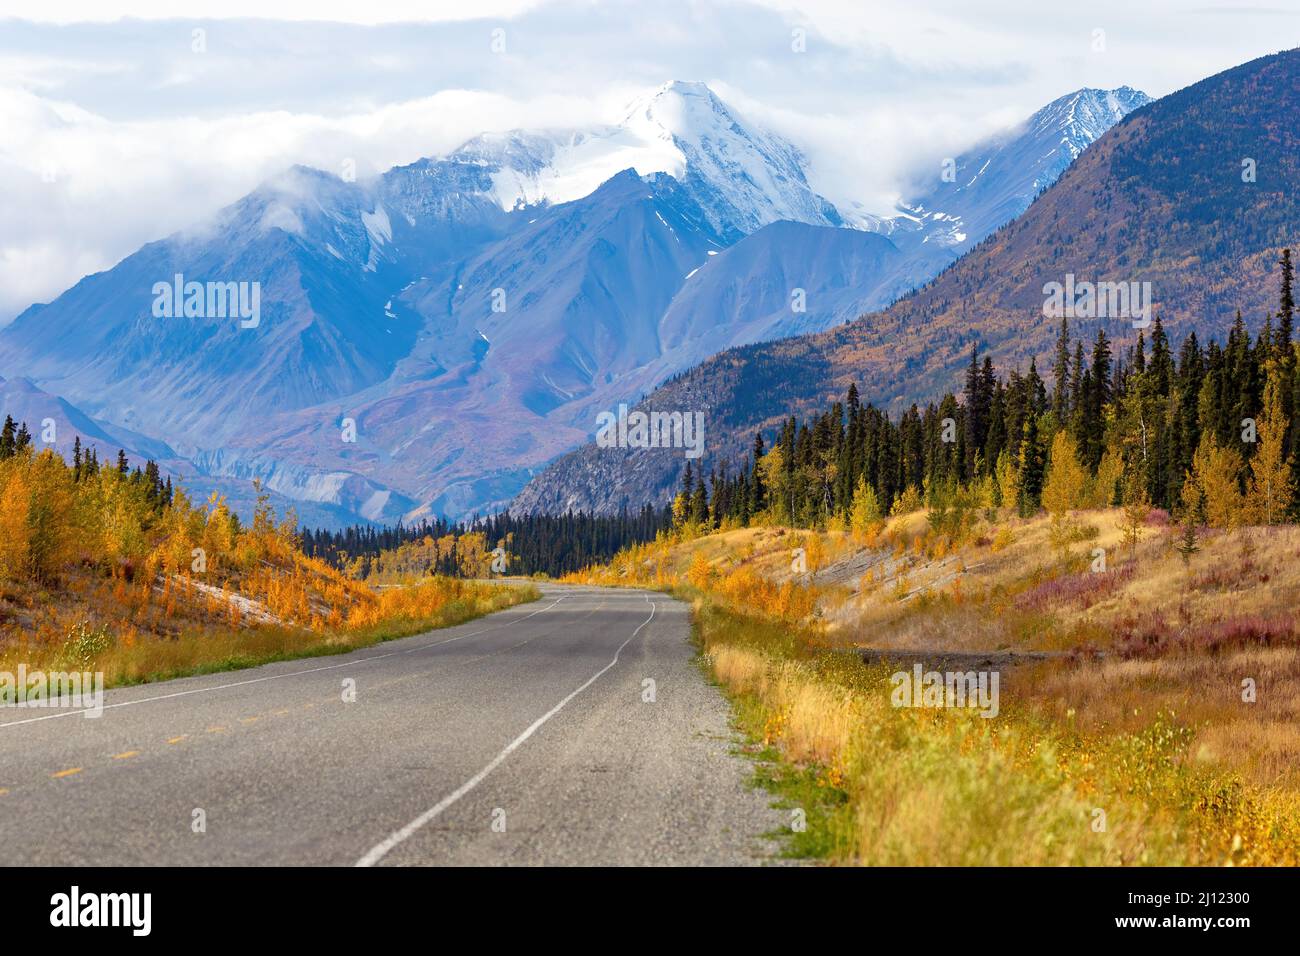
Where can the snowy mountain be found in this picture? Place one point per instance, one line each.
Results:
(1149, 201)
(431, 338)
(742, 177)
(995, 181)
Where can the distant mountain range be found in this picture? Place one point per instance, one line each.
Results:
(430, 339)
(1196, 193)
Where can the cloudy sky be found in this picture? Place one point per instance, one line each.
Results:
(122, 124)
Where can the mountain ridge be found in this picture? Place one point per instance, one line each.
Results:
(380, 306)
(1160, 198)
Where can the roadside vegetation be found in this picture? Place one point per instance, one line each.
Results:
(1119, 550)
(1149, 706)
(113, 569)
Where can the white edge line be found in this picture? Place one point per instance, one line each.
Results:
(380, 850)
(259, 680)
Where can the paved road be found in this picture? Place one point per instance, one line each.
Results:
(519, 738)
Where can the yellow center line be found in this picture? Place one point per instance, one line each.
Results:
(3, 791)
(125, 754)
(279, 713)
(247, 720)
(176, 740)
(67, 773)
(217, 729)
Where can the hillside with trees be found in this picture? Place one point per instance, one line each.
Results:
(1205, 432)
(530, 544)
(1115, 540)
(1194, 193)
(107, 566)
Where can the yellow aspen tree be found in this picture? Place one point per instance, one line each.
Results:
(15, 495)
(772, 469)
(1063, 489)
(680, 508)
(50, 514)
(1136, 508)
(1101, 490)
(700, 573)
(1268, 495)
(1008, 480)
(1212, 485)
(864, 514)
(218, 531)
(909, 501)
(814, 551)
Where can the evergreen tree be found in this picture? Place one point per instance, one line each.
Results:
(1061, 375)
(1098, 397)
(699, 501)
(1031, 468)
(1286, 310)
(8, 443)
(1187, 545)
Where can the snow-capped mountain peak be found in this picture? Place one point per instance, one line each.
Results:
(996, 180)
(751, 176)
(678, 109)
(1082, 116)
(741, 176)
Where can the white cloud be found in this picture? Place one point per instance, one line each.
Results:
(146, 136)
(81, 192)
(337, 11)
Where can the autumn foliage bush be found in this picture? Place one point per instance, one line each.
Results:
(747, 589)
(116, 553)
(1081, 590)
(1152, 635)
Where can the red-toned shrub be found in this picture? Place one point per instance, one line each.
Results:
(1082, 590)
(1152, 636)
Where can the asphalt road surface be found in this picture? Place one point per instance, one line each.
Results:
(525, 737)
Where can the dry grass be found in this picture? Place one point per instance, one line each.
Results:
(1260, 739)
(921, 789)
(1141, 716)
(948, 787)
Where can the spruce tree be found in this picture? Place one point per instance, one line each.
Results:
(1288, 377)
(1031, 468)
(699, 501)
(976, 415)
(1061, 374)
(1097, 399)
(1286, 311)
(7, 442)
(1187, 545)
